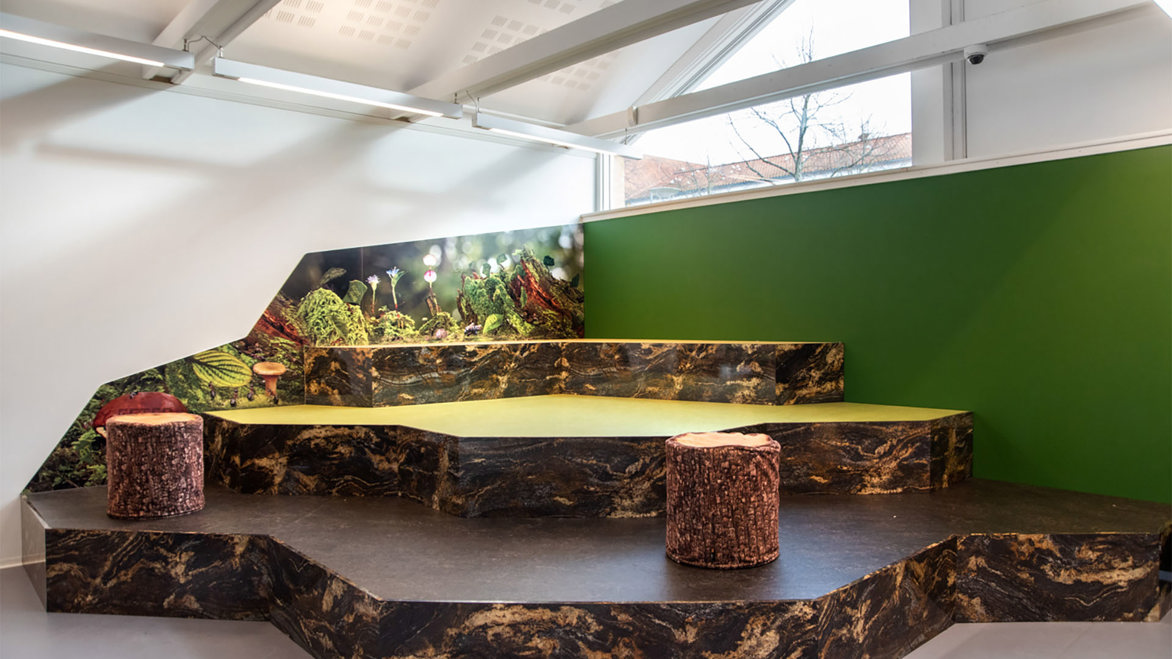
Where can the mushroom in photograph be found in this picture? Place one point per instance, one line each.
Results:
(270, 372)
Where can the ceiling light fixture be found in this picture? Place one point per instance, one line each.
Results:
(335, 89)
(1166, 5)
(57, 36)
(533, 132)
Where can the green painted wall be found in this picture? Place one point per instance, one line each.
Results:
(1038, 296)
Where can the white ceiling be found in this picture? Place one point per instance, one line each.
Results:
(400, 44)
(139, 20)
(403, 44)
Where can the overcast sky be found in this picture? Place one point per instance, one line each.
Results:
(837, 26)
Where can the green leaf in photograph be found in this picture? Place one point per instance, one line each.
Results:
(220, 369)
(356, 293)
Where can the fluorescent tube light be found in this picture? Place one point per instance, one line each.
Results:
(553, 136)
(1166, 5)
(335, 89)
(57, 36)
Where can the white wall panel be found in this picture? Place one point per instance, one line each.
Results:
(1099, 83)
(1096, 82)
(140, 226)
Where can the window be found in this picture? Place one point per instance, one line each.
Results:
(848, 130)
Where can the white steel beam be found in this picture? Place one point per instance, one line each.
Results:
(533, 132)
(956, 141)
(217, 21)
(899, 56)
(265, 76)
(726, 37)
(601, 32)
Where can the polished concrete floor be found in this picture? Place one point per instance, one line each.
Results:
(27, 632)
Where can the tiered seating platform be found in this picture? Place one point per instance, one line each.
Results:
(388, 577)
(571, 455)
(506, 499)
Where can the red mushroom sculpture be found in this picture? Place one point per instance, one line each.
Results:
(139, 402)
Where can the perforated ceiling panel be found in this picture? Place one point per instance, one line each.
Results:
(607, 83)
(402, 44)
(504, 31)
(395, 23)
(564, 6)
(303, 13)
(501, 33)
(391, 22)
(467, 28)
(396, 44)
(581, 76)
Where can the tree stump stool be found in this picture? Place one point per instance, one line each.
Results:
(154, 465)
(722, 499)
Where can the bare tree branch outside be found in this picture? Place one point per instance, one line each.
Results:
(801, 138)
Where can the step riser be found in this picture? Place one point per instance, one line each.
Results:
(327, 460)
(578, 477)
(756, 373)
(996, 569)
(873, 458)
(886, 613)
(186, 575)
(890, 612)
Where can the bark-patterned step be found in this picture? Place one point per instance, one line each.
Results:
(385, 577)
(571, 455)
(762, 373)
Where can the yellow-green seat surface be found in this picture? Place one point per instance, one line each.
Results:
(577, 416)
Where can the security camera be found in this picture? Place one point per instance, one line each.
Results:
(975, 54)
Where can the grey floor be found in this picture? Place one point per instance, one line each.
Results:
(27, 632)
(1043, 640)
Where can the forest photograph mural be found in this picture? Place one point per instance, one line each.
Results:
(510, 285)
(486, 287)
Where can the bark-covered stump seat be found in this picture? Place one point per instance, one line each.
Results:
(722, 499)
(154, 464)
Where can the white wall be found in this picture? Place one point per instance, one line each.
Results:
(140, 226)
(1105, 80)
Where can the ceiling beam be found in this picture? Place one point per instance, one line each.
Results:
(898, 56)
(217, 21)
(598, 33)
(726, 37)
